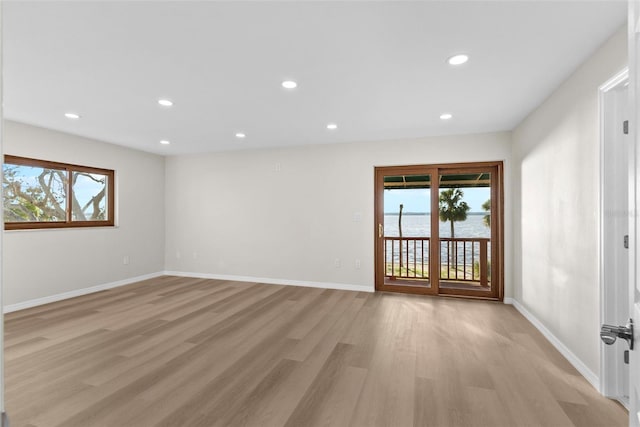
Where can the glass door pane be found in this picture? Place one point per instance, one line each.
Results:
(407, 230)
(464, 202)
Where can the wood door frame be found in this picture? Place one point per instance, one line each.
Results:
(497, 241)
(497, 232)
(380, 173)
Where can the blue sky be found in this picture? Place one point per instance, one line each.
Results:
(418, 199)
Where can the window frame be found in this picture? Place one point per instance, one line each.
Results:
(69, 168)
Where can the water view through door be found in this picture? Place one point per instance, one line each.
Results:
(438, 229)
(406, 230)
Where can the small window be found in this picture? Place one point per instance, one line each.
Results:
(43, 194)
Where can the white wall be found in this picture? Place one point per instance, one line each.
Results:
(556, 170)
(287, 214)
(43, 263)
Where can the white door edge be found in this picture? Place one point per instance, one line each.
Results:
(609, 360)
(633, 46)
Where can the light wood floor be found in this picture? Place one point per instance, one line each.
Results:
(190, 352)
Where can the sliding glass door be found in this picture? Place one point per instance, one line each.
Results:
(404, 230)
(439, 229)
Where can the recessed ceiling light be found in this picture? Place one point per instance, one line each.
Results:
(446, 116)
(72, 116)
(332, 126)
(240, 135)
(165, 102)
(289, 84)
(165, 142)
(458, 59)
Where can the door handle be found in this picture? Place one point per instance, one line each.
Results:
(609, 333)
(380, 230)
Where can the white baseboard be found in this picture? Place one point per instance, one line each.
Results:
(287, 282)
(78, 292)
(587, 373)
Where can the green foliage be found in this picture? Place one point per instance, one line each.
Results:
(452, 207)
(476, 270)
(33, 198)
(486, 206)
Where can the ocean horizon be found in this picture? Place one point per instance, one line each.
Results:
(428, 213)
(417, 224)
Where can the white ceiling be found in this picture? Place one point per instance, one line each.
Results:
(377, 69)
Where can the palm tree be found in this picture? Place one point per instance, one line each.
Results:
(486, 206)
(453, 209)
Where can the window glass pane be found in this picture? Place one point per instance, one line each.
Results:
(89, 197)
(465, 231)
(407, 230)
(34, 194)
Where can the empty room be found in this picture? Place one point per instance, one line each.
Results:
(305, 213)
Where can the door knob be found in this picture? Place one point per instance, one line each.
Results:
(609, 333)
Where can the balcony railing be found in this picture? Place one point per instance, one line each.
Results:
(407, 258)
(461, 259)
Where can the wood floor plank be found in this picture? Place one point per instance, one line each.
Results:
(318, 405)
(262, 398)
(308, 342)
(173, 351)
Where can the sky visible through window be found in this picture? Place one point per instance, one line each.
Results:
(84, 189)
(417, 200)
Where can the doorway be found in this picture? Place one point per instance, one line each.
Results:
(439, 229)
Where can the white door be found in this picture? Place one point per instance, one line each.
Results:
(3, 420)
(634, 283)
(615, 196)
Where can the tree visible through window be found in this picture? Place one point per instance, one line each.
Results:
(43, 194)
